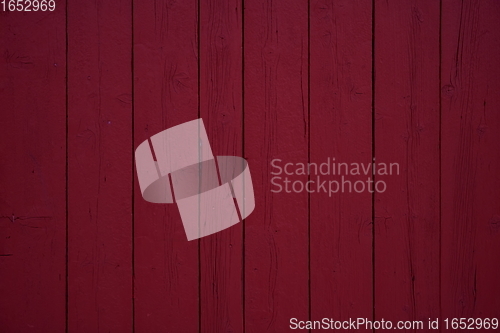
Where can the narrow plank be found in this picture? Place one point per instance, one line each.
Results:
(221, 254)
(165, 95)
(100, 167)
(470, 159)
(407, 215)
(341, 128)
(276, 127)
(33, 171)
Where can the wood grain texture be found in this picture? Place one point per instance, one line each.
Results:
(276, 126)
(165, 95)
(412, 82)
(221, 255)
(470, 159)
(407, 132)
(341, 129)
(99, 167)
(32, 172)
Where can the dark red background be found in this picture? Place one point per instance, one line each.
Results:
(413, 82)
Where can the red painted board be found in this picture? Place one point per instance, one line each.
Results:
(470, 144)
(272, 80)
(33, 171)
(99, 166)
(341, 132)
(221, 254)
(406, 129)
(276, 127)
(166, 276)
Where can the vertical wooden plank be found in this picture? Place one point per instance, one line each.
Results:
(33, 171)
(276, 127)
(470, 159)
(165, 95)
(221, 269)
(341, 131)
(407, 133)
(100, 166)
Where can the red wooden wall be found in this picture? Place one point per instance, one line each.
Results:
(414, 82)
